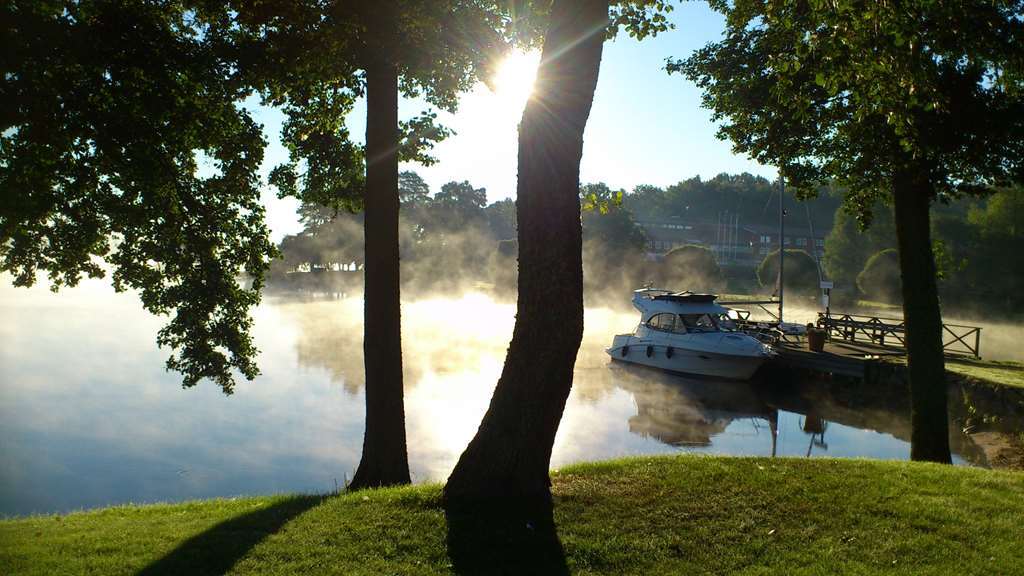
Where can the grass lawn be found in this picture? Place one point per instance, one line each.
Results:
(684, 515)
(1005, 373)
(994, 372)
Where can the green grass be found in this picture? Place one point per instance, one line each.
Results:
(992, 371)
(683, 515)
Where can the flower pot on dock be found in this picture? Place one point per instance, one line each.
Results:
(815, 339)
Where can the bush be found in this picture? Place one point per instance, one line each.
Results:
(800, 272)
(691, 268)
(880, 278)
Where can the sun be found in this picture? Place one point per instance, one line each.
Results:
(513, 81)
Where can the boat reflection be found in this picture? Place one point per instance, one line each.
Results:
(685, 412)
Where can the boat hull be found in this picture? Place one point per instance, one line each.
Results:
(683, 361)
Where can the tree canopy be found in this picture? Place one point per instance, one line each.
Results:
(853, 91)
(880, 278)
(507, 461)
(124, 151)
(918, 102)
(749, 197)
(848, 246)
(692, 268)
(440, 48)
(800, 272)
(613, 243)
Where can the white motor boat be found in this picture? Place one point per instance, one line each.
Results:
(688, 333)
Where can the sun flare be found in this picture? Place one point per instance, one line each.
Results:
(513, 81)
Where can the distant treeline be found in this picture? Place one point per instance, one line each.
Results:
(446, 239)
(455, 238)
(979, 252)
(753, 198)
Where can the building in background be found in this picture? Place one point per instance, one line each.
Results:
(731, 241)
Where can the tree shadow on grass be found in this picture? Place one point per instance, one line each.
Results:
(504, 539)
(216, 550)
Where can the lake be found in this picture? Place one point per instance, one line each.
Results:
(89, 417)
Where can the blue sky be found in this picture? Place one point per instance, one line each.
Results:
(646, 127)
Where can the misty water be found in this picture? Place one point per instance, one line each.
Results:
(89, 417)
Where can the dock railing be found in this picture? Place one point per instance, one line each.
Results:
(956, 338)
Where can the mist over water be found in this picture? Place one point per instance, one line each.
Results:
(89, 416)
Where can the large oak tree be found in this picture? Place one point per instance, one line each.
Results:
(112, 109)
(429, 48)
(908, 102)
(108, 112)
(508, 459)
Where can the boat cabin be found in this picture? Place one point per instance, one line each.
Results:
(688, 323)
(681, 312)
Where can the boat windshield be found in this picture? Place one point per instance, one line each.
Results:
(699, 322)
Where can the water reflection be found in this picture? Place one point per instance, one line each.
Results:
(689, 413)
(803, 418)
(815, 426)
(88, 417)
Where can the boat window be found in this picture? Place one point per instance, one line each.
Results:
(699, 322)
(726, 323)
(666, 322)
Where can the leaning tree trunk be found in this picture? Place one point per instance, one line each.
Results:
(384, 461)
(929, 439)
(508, 459)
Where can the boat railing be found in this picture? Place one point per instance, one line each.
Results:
(762, 304)
(763, 331)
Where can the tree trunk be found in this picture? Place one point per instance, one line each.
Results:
(509, 457)
(384, 461)
(929, 418)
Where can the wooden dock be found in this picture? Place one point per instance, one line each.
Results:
(857, 345)
(859, 360)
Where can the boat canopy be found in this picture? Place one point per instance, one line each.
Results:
(650, 301)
